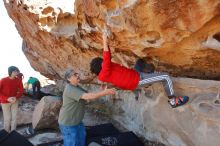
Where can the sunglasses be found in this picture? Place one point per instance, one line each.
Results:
(75, 74)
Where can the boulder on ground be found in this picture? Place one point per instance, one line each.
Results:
(46, 113)
(25, 110)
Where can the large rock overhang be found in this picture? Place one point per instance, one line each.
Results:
(179, 37)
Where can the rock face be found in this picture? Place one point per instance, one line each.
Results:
(195, 124)
(173, 34)
(46, 113)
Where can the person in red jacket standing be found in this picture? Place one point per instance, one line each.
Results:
(11, 89)
(130, 79)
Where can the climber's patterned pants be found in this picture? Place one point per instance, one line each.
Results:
(148, 78)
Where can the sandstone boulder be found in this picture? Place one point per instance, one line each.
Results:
(194, 124)
(46, 113)
(25, 110)
(173, 34)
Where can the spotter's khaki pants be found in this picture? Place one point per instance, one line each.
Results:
(10, 115)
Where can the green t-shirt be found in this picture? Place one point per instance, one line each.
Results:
(32, 80)
(73, 108)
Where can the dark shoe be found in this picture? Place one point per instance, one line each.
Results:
(29, 132)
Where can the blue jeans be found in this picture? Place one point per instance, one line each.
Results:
(73, 135)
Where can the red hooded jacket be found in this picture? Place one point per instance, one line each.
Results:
(118, 75)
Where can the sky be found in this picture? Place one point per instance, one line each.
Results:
(11, 48)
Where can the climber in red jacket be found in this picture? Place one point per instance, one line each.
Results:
(11, 89)
(130, 79)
